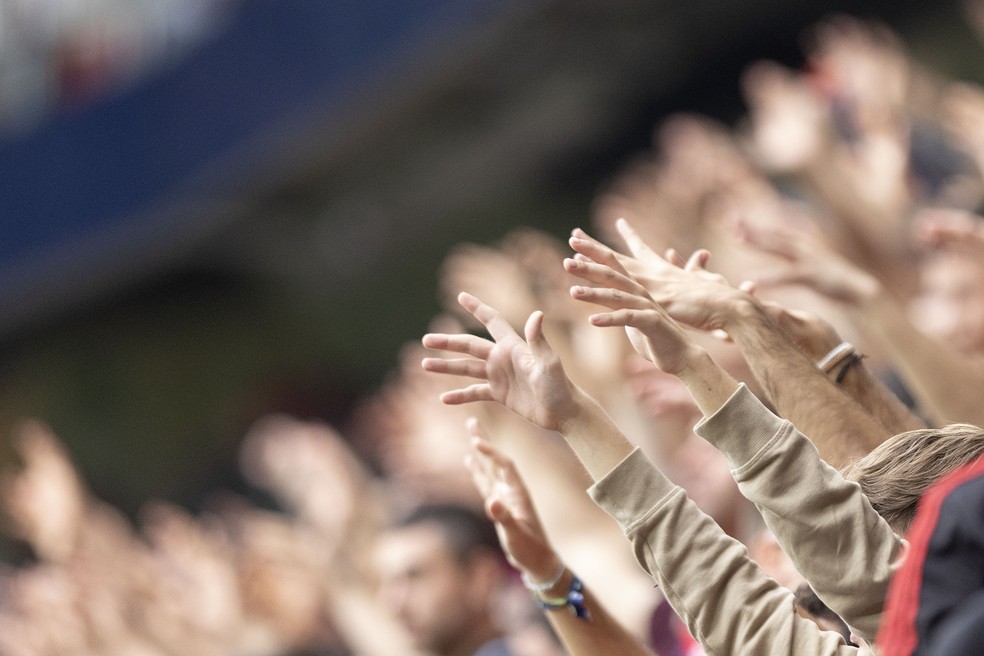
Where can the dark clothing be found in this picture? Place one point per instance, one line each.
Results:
(936, 602)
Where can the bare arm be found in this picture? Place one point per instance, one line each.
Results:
(839, 427)
(816, 338)
(508, 504)
(527, 377)
(806, 503)
(944, 381)
(704, 583)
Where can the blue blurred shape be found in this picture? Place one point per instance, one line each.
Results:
(90, 195)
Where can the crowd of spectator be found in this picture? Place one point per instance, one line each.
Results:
(806, 287)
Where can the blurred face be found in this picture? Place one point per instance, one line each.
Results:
(951, 303)
(425, 587)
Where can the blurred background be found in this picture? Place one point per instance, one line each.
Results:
(211, 210)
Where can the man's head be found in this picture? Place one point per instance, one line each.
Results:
(897, 473)
(950, 304)
(439, 569)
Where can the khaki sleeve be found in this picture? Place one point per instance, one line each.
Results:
(728, 604)
(823, 522)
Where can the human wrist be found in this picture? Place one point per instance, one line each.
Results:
(708, 384)
(743, 308)
(543, 572)
(594, 438)
(581, 409)
(546, 580)
(571, 596)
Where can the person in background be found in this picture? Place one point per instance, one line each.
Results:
(441, 573)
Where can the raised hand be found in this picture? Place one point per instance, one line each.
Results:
(809, 262)
(790, 124)
(508, 504)
(653, 333)
(688, 293)
(524, 375)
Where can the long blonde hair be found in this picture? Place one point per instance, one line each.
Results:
(897, 473)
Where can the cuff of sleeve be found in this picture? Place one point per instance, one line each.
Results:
(631, 489)
(740, 427)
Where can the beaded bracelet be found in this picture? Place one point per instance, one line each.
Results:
(574, 599)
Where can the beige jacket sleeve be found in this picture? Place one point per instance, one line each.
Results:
(824, 523)
(729, 605)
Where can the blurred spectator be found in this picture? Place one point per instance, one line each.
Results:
(851, 178)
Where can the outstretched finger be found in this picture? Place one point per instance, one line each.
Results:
(633, 241)
(650, 321)
(467, 344)
(774, 278)
(588, 246)
(477, 462)
(698, 260)
(673, 257)
(469, 367)
(533, 332)
(611, 298)
(603, 275)
(470, 394)
(774, 242)
(497, 326)
(623, 317)
(493, 454)
(504, 468)
(474, 428)
(476, 465)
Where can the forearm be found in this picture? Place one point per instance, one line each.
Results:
(593, 436)
(600, 634)
(946, 383)
(823, 522)
(599, 443)
(819, 341)
(869, 392)
(840, 429)
(577, 527)
(708, 384)
(867, 232)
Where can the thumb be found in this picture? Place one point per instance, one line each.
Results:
(534, 334)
